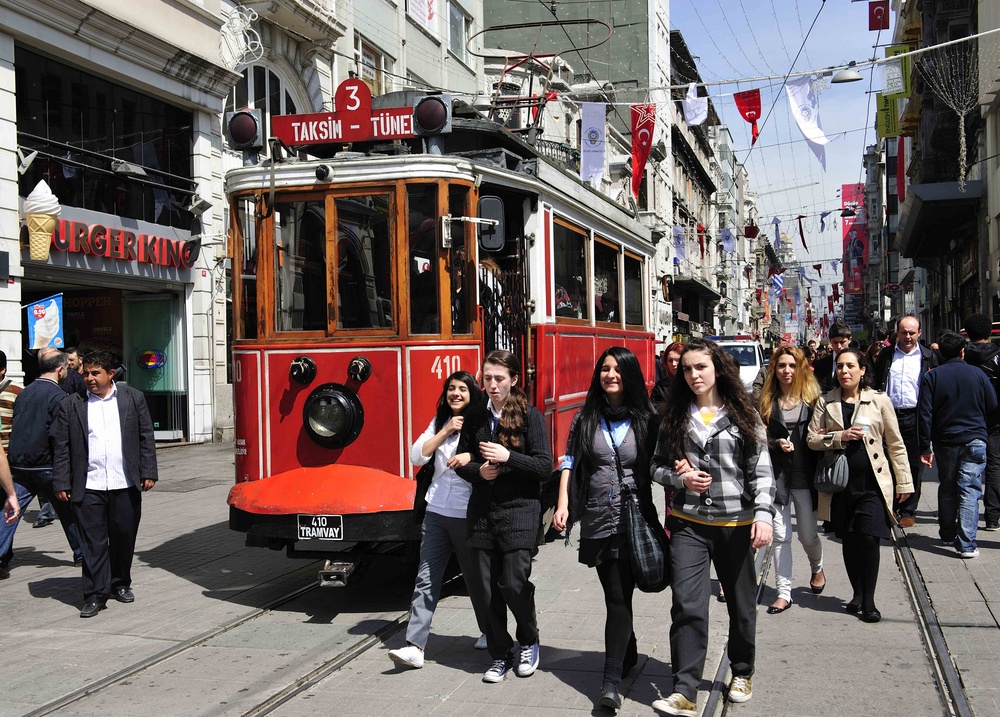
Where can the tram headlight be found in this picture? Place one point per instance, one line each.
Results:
(333, 415)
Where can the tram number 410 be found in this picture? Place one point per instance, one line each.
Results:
(321, 527)
(445, 366)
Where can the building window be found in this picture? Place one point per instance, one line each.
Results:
(81, 123)
(459, 25)
(374, 66)
(261, 89)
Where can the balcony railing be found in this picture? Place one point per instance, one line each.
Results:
(558, 152)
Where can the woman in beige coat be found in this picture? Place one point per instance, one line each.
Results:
(849, 418)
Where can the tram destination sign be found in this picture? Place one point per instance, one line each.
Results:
(353, 120)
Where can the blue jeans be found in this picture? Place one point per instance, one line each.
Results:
(960, 476)
(27, 485)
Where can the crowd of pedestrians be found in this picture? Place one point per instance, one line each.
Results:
(734, 464)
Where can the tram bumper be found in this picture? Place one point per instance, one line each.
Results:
(329, 504)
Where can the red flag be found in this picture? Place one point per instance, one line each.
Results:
(802, 233)
(836, 292)
(878, 15)
(751, 230)
(758, 293)
(809, 296)
(643, 121)
(819, 269)
(701, 239)
(829, 303)
(748, 105)
(771, 271)
(809, 316)
(748, 271)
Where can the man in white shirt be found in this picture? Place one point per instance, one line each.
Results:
(105, 457)
(897, 372)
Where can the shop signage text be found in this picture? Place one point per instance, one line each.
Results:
(117, 243)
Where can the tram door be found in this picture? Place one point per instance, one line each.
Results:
(503, 286)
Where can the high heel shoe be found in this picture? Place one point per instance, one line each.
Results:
(817, 589)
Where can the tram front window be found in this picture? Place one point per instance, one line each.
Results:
(633, 291)
(300, 276)
(364, 262)
(606, 294)
(425, 314)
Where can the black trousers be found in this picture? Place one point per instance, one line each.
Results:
(991, 481)
(907, 419)
(108, 521)
(692, 547)
(505, 577)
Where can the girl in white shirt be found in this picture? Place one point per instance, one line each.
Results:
(444, 525)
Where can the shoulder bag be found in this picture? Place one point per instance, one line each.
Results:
(649, 549)
(831, 472)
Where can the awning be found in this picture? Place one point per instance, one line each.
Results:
(933, 214)
(696, 285)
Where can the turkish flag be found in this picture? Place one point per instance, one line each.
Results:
(751, 230)
(643, 121)
(701, 239)
(758, 293)
(829, 303)
(748, 104)
(836, 292)
(878, 15)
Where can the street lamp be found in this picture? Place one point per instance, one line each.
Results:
(849, 74)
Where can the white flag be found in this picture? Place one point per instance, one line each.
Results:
(593, 117)
(695, 107)
(804, 104)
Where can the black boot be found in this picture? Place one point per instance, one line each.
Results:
(610, 697)
(631, 656)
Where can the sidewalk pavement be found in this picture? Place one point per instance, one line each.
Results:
(192, 573)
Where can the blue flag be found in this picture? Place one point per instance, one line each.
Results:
(45, 323)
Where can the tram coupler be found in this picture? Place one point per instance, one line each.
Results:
(334, 575)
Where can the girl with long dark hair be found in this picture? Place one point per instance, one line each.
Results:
(444, 528)
(722, 509)
(510, 458)
(616, 418)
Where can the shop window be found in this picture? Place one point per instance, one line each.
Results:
(570, 258)
(80, 124)
(374, 66)
(425, 310)
(300, 266)
(458, 31)
(607, 298)
(633, 291)
(247, 256)
(463, 304)
(364, 262)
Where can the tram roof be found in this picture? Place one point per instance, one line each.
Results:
(476, 147)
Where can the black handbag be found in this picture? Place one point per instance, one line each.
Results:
(423, 478)
(649, 548)
(832, 472)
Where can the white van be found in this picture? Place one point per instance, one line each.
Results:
(749, 355)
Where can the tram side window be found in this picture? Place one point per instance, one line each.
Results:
(425, 314)
(570, 255)
(364, 262)
(248, 269)
(463, 303)
(300, 289)
(633, 291)
(607, 297)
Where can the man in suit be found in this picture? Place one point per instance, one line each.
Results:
(898, 371)
(105, 457)
(825, 368)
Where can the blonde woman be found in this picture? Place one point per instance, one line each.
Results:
(786, 406)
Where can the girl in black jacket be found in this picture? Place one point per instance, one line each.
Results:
(616, 417)
(510, 458)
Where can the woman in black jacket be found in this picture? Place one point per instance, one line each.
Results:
(510, 458)
(786, 405)
(616, 418)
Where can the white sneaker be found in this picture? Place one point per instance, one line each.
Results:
(409, 656)
(481, 643)
(974, 553)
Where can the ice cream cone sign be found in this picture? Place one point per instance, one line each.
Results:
(41, 208)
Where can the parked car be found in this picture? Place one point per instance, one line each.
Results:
(749, 355)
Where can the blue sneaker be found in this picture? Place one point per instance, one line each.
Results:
(499, 669)
(528, 660)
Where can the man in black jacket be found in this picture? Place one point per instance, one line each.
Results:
(825, 367)
(897, 372)
(105, 458)
(30, 454)
(985, 354)
(958, 429)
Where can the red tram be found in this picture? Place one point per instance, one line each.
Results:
(363, 278)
